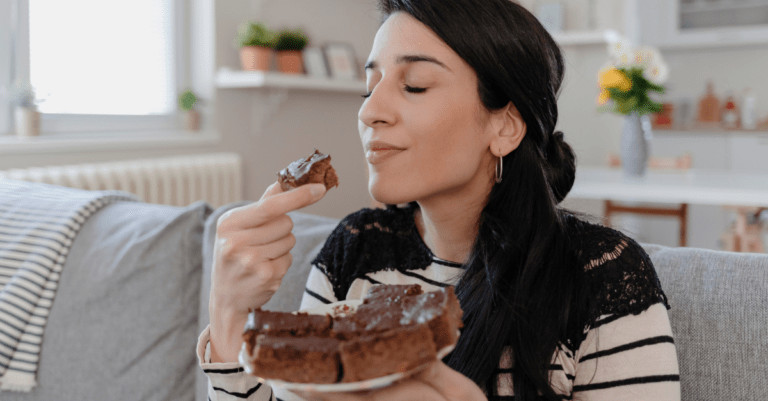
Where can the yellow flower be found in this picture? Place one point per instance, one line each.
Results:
(603, 98)
(614, 78)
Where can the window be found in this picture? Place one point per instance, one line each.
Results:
(5, 65)
(101, 65)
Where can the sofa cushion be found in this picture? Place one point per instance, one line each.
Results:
(121, 326)
(719, 318)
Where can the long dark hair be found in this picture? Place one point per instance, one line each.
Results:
(521, 286)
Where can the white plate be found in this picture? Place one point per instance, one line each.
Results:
(338, 309)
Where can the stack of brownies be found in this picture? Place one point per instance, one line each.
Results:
(395, 329)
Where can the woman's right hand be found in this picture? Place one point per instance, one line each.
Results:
(251, 255)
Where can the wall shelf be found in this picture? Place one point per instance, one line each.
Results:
(585, 38)
(227, 78)
(708, 131)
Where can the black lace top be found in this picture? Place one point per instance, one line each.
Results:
(372, 240)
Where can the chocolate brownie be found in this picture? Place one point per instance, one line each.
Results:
(393, 351)
(395, 329)
(308, 359)
(313, 169)
(391, 292)
(282, 324)
(440, 310)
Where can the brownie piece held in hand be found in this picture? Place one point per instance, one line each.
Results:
(313, 169)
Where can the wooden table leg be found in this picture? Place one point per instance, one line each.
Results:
(683, 224)
(747, 230)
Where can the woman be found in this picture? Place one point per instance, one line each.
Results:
(458, 129)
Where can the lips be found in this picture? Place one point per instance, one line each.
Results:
(380, 155)
(378, 151)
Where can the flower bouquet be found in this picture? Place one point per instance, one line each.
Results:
(624, 84)
(628, 76)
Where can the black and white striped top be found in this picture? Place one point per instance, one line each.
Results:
(626, 353)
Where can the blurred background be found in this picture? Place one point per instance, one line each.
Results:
(201, 99)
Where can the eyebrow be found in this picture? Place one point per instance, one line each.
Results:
(409, 59)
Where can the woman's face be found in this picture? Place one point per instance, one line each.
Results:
(423, 126)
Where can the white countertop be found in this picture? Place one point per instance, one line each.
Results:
(706, 187)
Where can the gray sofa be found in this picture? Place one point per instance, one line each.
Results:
(132, 301)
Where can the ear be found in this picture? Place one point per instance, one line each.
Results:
(509, 130)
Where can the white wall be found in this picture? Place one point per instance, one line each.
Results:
(308, 119)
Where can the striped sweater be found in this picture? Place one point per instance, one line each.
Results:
(625, 352)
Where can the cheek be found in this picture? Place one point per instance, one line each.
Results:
(446, 150)
(456, 141)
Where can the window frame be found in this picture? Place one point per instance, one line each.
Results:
(6, 65)
(55, 124)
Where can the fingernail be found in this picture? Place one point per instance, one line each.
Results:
(317, 190)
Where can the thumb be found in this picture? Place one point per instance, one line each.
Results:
(273, 189)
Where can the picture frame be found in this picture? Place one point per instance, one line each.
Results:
(314, 62)
(341, 61)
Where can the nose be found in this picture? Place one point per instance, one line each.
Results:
(378, 108)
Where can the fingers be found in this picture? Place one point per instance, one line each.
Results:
(276, 204)
(273, 189)
(276, 271)
(283, 263)
(276, 249)
(267, 233)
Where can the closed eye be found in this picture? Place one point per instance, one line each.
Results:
(407, 89)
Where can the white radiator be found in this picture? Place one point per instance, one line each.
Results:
(178, 181)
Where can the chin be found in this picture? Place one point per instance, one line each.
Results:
(388, 193)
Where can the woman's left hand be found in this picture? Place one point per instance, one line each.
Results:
(437, 382)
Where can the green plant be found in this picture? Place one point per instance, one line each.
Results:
(255, 34)
(291, 40)
(22, 94)
(187, 100)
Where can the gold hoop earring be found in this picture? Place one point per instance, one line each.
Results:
(499, 169)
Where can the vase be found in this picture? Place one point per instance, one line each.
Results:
(636, 144)
(255, 58)
(27, 122)
(290, 62)
(192, 120)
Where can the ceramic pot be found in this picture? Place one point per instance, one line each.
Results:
(192, 120)
(290, 62)
(255, 58)
(27, 121)
(636, 144)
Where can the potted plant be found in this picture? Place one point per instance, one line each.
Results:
(27, 117)
(624, 83)
(255, 41)
(289, 44)
(187, 101)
